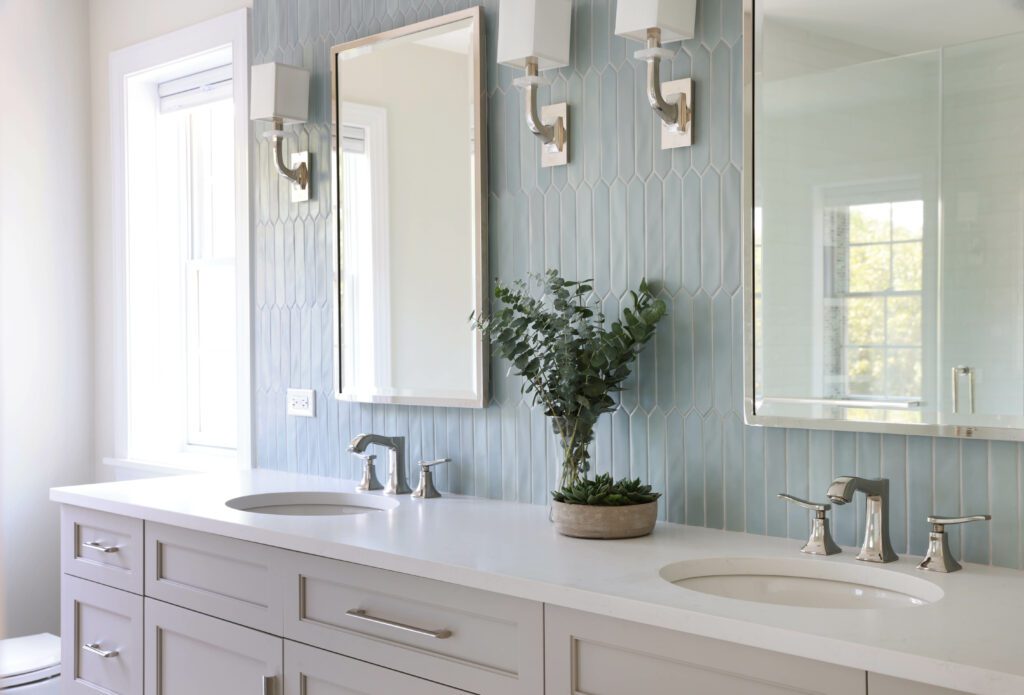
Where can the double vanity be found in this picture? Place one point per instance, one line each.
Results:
(280, 584)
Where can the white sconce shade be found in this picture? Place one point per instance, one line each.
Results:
(675, 18)
(279, 92)
(534, 29)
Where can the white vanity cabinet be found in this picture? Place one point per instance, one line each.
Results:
(154, 609)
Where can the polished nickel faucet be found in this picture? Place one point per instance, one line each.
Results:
(877, 547)
(397, 483)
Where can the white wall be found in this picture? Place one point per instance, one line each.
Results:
(45, 296)
(115, 24)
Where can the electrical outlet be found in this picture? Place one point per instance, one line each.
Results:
(302, 402)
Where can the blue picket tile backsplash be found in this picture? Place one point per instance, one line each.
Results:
(622, 210)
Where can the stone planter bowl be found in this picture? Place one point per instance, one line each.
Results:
(583, 521)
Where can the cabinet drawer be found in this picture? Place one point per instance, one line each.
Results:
(469, 639)
(592, 654)
(309, 671)
(223, 577)
(105, 548)
(101, 644)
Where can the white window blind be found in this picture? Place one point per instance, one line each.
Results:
(195, 90)
(353, 139)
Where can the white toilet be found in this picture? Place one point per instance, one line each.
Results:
(30, 665)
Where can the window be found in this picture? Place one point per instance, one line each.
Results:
(182, 113)
(873, 307)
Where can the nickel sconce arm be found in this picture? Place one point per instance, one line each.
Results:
(668, 112)
(300, 174)
(677, 115)
(552, 134)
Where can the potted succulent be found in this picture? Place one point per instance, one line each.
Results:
(572, 364)
(602, 508)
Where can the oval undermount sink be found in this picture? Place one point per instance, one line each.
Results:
(312, 503)
(802, 583)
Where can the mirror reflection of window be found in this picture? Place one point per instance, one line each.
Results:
(365, 227)
(873, 308)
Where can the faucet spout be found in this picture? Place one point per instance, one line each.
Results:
(877, 546)
(397, 480)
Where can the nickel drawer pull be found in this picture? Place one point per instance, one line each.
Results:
(94, 648)
(268, 685)
(99, 547)
(360, 614)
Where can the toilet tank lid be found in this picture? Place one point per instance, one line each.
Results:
(21, 656)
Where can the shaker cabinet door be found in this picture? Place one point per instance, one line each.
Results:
(311, 671)
(595, 655)
(189, 653)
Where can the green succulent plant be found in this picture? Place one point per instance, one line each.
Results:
(603, 491)
(570, 359)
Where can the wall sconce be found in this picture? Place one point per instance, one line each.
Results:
(534, 34)
(655, 22)
(280, 94)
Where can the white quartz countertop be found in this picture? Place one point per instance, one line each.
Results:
(972, 639)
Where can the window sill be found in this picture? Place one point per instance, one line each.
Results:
(179, 464)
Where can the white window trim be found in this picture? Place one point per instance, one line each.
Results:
(232, 30)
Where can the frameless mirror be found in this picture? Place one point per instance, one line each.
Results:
(410, 260)
(885, 218)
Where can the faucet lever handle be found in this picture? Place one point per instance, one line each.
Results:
(369, 481)
(820, 541)
(820, 507)
(427, 465)
(939, 557)
(941, 521)
(426, 490)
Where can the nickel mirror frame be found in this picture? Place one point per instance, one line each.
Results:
(482, 352)
(750, 415)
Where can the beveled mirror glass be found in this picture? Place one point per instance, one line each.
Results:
(409, 161)
(885, 218)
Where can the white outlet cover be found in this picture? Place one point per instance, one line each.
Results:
(301, 402)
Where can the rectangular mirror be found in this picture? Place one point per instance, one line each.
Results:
(885, 216)
(409, 152)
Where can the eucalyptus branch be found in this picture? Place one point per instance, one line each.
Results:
(570, 360)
